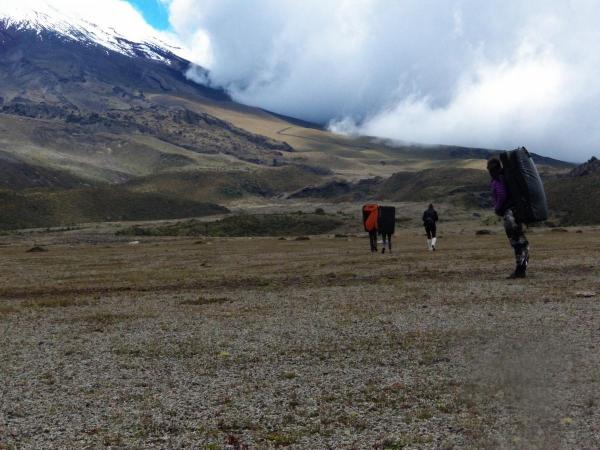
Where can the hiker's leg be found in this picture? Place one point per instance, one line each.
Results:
(373, 240)
(428, 231)
(433, 237)
(390, 241)
(518, 241)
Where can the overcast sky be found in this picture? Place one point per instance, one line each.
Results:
(494, 73)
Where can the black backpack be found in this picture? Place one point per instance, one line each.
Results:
(429, 217)
(524, 186)
(387, 219)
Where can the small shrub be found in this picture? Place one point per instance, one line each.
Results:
(7, 309)
(245, 225)
(56, 303)
(205, 301)
(281, 439)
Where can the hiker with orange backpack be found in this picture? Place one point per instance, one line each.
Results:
(370, 220)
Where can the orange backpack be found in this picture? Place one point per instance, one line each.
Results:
(370, 216)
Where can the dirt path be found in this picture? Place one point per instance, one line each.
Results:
(327, 141)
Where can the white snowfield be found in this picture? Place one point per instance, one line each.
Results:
(112, 24)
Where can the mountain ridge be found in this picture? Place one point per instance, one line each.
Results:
(41, 16)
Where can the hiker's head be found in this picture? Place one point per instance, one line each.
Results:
(494, 167)
(431, 206)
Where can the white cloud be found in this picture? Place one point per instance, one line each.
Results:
(498, 73)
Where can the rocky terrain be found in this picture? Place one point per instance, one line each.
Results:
(197, 275)
(588, 168)
(157, 342)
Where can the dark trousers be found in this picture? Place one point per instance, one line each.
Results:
(517, 239)
(373, 240)
(430, 230)
(387, 239)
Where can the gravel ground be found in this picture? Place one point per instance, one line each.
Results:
(314, 344)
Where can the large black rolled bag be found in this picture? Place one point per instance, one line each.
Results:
(525, 186)
(387, 219)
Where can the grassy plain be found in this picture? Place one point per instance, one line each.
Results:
(314, 344)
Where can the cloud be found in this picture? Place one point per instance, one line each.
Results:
(499, 73)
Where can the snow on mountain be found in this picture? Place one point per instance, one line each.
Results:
(112, 24)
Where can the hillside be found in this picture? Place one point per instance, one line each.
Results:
(51, 208)
(110, 116)
(224, 186)
(84, 109)
(576, 200)
(94, 120)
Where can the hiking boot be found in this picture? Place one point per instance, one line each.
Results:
(516, 274)
(519, 272)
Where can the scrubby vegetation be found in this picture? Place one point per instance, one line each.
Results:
(245, 225)
(465, 186)
(228, 185)
(44, 208)
(462, 187)
(576, 200)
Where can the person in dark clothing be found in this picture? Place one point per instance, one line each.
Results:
(504, 207)
(430, 217)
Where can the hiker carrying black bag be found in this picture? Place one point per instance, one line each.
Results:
(386, 225)
(519, 198)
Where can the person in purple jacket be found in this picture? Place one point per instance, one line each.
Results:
(504, 207)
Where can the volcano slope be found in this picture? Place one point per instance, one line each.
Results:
(315, 344)
(84, 126)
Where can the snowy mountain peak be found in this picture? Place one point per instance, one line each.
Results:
(118, 27)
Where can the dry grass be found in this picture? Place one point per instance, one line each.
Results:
(61, 302)
(346, 156)
(300, 344)
(7, 309)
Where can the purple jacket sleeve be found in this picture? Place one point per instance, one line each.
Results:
(498, 195)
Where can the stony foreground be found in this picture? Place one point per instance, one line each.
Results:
(309, 344)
